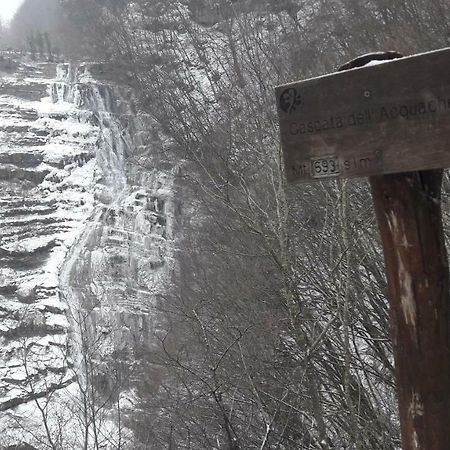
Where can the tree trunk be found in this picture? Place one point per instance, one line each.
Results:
(409, 217)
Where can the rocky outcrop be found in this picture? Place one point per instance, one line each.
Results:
(47, 174)
(86, 240)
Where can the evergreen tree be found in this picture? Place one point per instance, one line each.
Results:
(31, 42)
(40, 43)
(48, 46)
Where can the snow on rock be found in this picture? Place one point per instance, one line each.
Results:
(47, 178)
(86, 245)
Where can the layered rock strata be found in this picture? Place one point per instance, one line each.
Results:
(85, 245)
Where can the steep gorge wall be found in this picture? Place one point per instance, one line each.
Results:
(86, 247)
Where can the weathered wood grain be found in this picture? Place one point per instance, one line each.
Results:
(408, 211)
(387, 118)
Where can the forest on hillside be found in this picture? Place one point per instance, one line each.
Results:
(275, 334)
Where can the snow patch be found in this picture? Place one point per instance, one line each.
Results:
(406, 282)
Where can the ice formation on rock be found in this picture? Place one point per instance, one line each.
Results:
(85, 238)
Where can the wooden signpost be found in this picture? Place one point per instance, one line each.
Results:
(390, 121)
(387, 118)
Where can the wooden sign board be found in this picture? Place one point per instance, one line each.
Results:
(385, 118)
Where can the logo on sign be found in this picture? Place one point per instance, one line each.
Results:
(290, 100)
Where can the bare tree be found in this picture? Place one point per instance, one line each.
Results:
(276, 334)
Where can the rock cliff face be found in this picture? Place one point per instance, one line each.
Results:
(86, 250)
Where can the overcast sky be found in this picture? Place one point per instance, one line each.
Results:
(8, 8)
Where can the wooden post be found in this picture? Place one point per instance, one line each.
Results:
(408, 211)
(390, 123)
